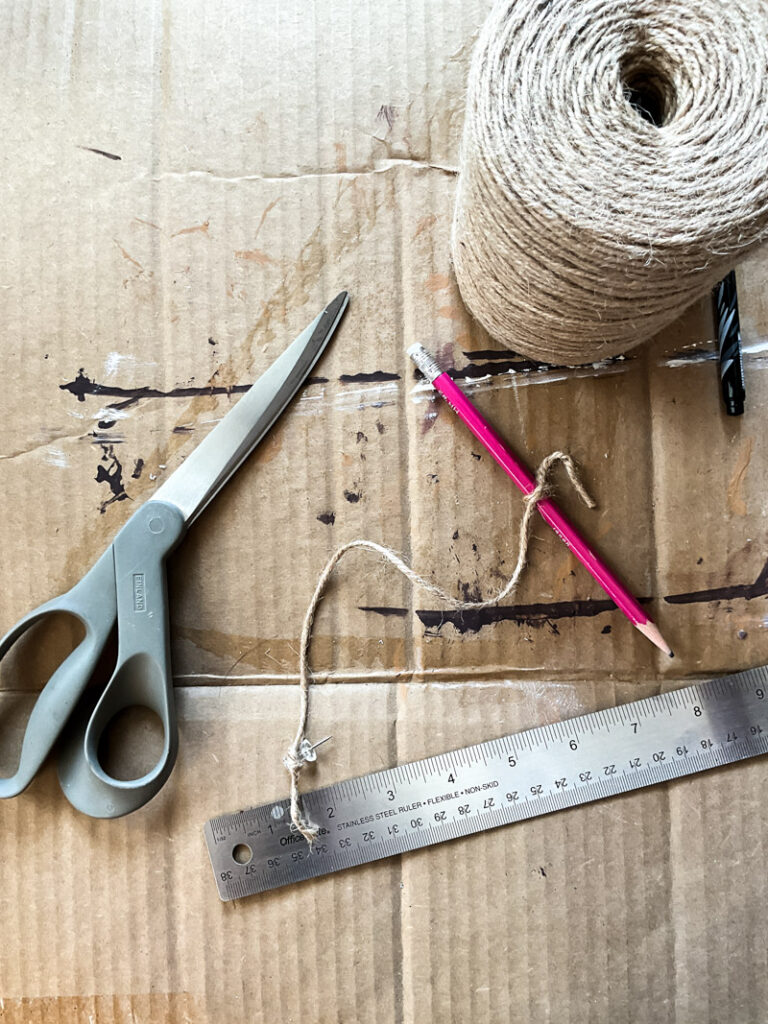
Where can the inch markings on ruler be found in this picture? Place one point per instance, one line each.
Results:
(495, 783)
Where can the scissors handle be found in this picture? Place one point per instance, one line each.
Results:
(92, 601)
(142, 675)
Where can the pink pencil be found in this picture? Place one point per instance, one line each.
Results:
(518, 473)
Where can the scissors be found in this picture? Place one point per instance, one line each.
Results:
(127, 587)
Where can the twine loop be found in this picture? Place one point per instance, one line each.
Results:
(301, 752)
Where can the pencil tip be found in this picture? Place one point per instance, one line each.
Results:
(650, 630)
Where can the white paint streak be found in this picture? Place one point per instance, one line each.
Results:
(522, 378)
(693, 360)
(109, 413)
(755, 346)
(707, 352)
(56, 457)
(369, 396)
(112, 364)
(116, 362)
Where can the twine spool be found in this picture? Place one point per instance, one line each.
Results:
(614, 167)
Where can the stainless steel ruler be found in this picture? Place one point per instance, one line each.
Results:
(494, 783)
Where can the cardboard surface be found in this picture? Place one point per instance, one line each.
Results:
(185, 185)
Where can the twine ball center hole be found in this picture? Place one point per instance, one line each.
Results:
(648, 87)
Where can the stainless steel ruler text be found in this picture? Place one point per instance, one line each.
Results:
(494, 783)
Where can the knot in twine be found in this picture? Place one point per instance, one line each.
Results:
(614, 167)
(302, 752)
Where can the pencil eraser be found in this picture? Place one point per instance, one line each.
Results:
(425, 362)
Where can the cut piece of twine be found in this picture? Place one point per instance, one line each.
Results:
(301, 751)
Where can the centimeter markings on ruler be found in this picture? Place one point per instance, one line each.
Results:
(495, 783)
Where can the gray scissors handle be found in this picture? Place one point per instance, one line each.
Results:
(126, 585)
(92, 601)
(142, 675)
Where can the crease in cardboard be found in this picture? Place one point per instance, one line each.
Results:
(378, 167)
(487, 676)
(45, 446)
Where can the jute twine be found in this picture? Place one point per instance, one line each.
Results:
(614, 167)
(302, 751)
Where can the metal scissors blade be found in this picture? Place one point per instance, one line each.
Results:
(205, 471)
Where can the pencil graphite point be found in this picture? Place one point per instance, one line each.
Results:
(650, 630)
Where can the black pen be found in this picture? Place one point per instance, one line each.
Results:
(726, 305)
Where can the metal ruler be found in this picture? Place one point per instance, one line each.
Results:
(495, 783)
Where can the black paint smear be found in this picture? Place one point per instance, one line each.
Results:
(398, 613)
(329, 518)
(494, 362)
(101, 152)
(102, 438)
(504, 354)
(353, 496)
(748, 591)
(377, 377)
(112, 474)
(538, 615)
(534, 615)
(137, 469)
(470, 592)
(496, 369)
(605, 630)
(82, 385)
(211, 341)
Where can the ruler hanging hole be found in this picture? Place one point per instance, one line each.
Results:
(242, 853)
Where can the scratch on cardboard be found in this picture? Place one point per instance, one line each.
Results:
(254, 256)
(194, 229)
(736, 503)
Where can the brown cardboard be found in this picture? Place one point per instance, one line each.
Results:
(185, 185)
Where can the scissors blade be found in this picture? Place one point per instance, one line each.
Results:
(205, 471)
